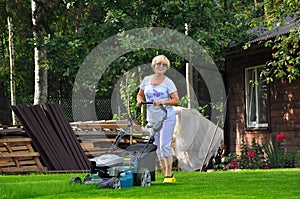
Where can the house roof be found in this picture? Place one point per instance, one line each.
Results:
(263, 34)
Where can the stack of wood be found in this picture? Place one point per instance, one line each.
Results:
(97, 137)
(47, 138)
(16, 152)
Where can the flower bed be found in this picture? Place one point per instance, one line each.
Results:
(266, 156)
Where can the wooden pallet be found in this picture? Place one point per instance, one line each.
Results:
(18, 156)
(96, 138)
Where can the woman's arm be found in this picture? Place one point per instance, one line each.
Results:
(140, 97)
(172, 102)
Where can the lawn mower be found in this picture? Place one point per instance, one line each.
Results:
(134, 166)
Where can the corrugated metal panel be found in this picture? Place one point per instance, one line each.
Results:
(289, 23)
(52, 136)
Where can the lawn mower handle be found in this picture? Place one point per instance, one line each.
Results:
(138, 110)
(147, 102)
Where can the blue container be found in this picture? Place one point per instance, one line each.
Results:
(126, 179)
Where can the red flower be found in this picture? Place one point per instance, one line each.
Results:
(251, 154)
(233, 165)
(266, 167)
(279, 136)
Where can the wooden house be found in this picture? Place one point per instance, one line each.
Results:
(262, 110)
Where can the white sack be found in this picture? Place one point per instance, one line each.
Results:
(193, 134)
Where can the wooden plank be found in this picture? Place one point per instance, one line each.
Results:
(3, 149)
(22, 162)
(95, 153)
(114, 126)
(36, 159)
(96, 140)
(104, 149)
(12, 131)
(19, 154)
(93, 136)
(23, 169)
(12, 140)
(86, 146)
(19, 148)
(7, 164)
(27, 162)
(25, 158)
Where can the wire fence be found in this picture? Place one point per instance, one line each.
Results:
(102, 107)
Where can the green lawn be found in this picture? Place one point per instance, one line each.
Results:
(275, 183)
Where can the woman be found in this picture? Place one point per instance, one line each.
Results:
(161, 90)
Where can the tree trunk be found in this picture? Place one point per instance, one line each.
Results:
(40, 70)
(189, 74)
(12, 66)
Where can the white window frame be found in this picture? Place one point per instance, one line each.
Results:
(253, 89)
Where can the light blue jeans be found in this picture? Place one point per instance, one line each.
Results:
(163, 138)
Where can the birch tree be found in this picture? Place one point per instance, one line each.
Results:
(40, 69)
(12, 66)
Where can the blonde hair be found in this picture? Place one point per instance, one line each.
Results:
(159, 58)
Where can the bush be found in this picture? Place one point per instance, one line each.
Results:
(266, 156)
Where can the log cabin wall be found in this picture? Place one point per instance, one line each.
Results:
(283, 103)
(285, 112)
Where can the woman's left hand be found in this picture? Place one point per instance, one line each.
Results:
(158, 102)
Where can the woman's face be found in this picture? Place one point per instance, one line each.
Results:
(160, 66)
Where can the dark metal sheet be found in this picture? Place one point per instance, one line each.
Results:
(52, 136)
(66, 134)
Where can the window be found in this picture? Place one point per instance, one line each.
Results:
(256, 98)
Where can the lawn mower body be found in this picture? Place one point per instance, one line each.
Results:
(134, 166)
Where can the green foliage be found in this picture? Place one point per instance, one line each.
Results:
(128, 92)
(298, 158)
(229, 162)
(272, 150)
(203, 109)
(285, 57)
(251, 157)
(74, 28)
(275, 154)
(184, 101)
(265, 156)
(288, 160)
(23, 48)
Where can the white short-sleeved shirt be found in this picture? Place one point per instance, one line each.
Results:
(160, 92)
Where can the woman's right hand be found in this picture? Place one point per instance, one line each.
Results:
(140, 97)
(138, 104)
